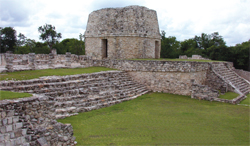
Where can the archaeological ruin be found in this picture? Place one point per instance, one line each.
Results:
(123, 33)
(112, 35)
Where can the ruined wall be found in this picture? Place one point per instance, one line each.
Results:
(31, 121)
(203, 92)
(163, 76)
(154, 66)
(216, 82)
(169, 82)
(244, 74)
(28, 122)
(129, 32)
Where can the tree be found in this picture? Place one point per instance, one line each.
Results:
(170, 47)
(49, 35)
(20, 41)
(8, 39)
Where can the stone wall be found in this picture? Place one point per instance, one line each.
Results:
(31, 121)
(216, 82)
(162, 76)
(28, 122)
(123, 47)
(154, 66)
(128, 32)
(169, 82)
(244, 74)
(203, 92)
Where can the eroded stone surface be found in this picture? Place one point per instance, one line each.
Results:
(119, 33)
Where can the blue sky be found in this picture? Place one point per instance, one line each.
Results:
(180, 18)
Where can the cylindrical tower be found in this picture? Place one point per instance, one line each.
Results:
(123, 33)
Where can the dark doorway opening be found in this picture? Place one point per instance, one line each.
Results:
(104, 48)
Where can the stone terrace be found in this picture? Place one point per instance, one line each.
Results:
(59, 97)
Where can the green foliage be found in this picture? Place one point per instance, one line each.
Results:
(210, 46)
(12, 95)
(163, 119)
(49, 34)
(41, 48)
(241, 55)
(70, 45)
(169, 47)
(32, 74)
(8, 39)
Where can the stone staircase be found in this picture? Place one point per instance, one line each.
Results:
(240, 85)
(79, 93)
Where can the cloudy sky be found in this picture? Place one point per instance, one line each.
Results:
(180, 18)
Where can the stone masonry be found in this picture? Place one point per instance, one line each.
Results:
(120, 33)
(32, 121)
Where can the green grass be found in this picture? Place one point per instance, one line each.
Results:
(25, 75)
(246, 101)
(229, 95)
(163, 119)
(12, 95)
(168, 59)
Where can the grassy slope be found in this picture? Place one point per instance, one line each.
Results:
(229, 95)
(25, 75)
(12, 95)
(165, 119)
(246, 101)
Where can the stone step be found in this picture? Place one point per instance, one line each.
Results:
(244, 89)
(62, 116)
(65, 110)
(60, 79)
(41, 88)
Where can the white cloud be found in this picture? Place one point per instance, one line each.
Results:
(181, 18)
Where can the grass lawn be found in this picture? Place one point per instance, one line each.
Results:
(229, 95)
(12, 95)
(25, 75)
(163, 119)
(246, 101)
(168, 59)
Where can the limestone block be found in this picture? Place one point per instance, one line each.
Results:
(18, 125)
(9, 128)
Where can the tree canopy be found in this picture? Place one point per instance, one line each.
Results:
(8, 39)
(49, 34)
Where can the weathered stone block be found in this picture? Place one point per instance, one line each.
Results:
(10, 113)
(18, 125)
(42, 141)
(3, 114)
(9, 128)
(15, 119)
(4, 121)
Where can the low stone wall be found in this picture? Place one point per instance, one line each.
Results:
(169, 82)
(243, 74)
(153, 66)
(28, 122)
(203, 92)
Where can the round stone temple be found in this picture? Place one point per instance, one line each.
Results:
(123, 33)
